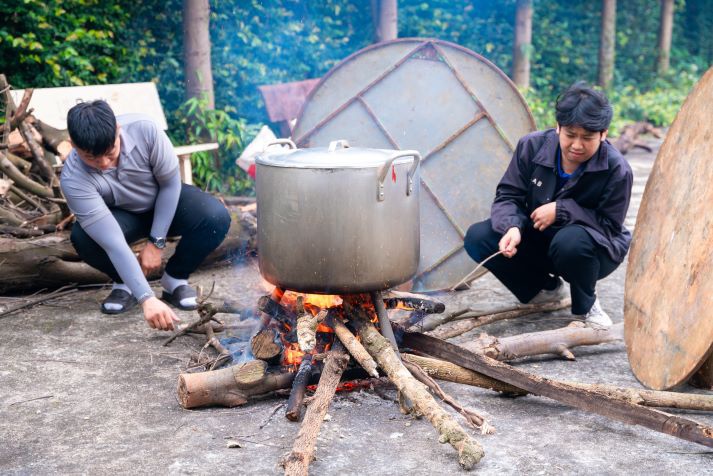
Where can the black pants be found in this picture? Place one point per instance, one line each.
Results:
(568, 252)
(200, 219)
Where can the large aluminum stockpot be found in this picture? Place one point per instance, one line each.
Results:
(337, 220)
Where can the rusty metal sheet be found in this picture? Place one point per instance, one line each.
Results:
(452, 105)
(668, 297)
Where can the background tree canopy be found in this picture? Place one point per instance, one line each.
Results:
(254, 42)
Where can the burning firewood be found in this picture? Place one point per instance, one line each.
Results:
(413, 302)
(293, 412)
(307, 326)
(469, 451)
(354, 347)
(264, 346)
(302, 454)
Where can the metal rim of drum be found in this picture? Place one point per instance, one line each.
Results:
(489, 122)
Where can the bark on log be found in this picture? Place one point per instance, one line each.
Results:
(354, 347)
(629, 136)
(557, 341)
(307, 329)
(467, 321)
(231, 386)
(469, 451)
(443, 370)
(575, 397)
(21, 180)
(302, 454)
(293, 412)
(263, 345)
(50, 261)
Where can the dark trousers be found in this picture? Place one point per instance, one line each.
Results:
(568, 252)
(201, 220)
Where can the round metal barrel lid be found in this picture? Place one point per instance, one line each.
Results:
(668, 297)
(453, 106)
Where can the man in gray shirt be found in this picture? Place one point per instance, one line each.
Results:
(121, 181)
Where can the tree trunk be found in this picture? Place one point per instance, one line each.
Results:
(607, 40)
(50, 261)
(665, 30)
(522, 44)
(385, 15)
(196, 51)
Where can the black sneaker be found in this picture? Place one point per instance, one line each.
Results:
(119, 297)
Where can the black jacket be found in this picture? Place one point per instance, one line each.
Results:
(597, 198)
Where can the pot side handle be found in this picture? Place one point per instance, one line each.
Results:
(387, 166)
(287, 142)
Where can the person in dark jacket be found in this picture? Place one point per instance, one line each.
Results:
(559, 209)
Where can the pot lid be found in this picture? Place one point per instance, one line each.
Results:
(339, 155)
(453, 106)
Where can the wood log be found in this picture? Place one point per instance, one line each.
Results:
(18, 147)
(293, 412)
(354, 347)
(21, 180)
(443, 370)
(469, 451)
(575, 397)
(19, 232)
(307, 329)
(50, 261)
(231, 386)
(557, 341)
(467, 321)
(23, 165)
(297, 461)
(263, 345)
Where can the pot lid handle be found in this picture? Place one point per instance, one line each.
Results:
(387, 166)
(287, 142)
(338, 144)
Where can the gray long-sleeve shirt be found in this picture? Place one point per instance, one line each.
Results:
(145, 178)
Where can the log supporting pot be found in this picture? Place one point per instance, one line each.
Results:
(337, 220)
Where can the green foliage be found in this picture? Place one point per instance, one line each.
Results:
(215, 170)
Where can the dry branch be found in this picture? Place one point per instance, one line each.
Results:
(469, 451)
(354, 347)
(302, 454)
(467, 321)
(576, 397)
(557, 341)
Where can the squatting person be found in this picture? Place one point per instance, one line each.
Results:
(559, 209)
(121, 181)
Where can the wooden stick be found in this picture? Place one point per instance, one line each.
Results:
(413, 302)
(298, 460)
(9, 169)
(583, 399)
(28, 199)
(470, 322)
(443, 370)
(354, 347)
(20, 232)
(469, 451)
(473, 418)
(55, 294)
(293, 412)
(307, 326)
(557, 341)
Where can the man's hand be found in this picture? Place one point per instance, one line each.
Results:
(149, 259)
(544, 216)
(158, 315)
(509, 242)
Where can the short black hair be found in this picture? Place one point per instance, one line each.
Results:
(92, 126)
(582, 106)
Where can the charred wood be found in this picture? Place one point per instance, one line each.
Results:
(413, 302)
(263, 345)
(293, 412)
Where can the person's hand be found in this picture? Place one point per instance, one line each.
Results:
(150, 259)
(158, 315)
(544, 216)
(509, 242)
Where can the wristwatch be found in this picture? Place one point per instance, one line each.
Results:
(159, 242)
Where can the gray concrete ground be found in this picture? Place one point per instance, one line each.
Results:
(84, 393)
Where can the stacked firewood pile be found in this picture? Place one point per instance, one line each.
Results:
(410, 366)
(31, 154)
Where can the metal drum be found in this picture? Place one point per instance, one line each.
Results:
(455, 107)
